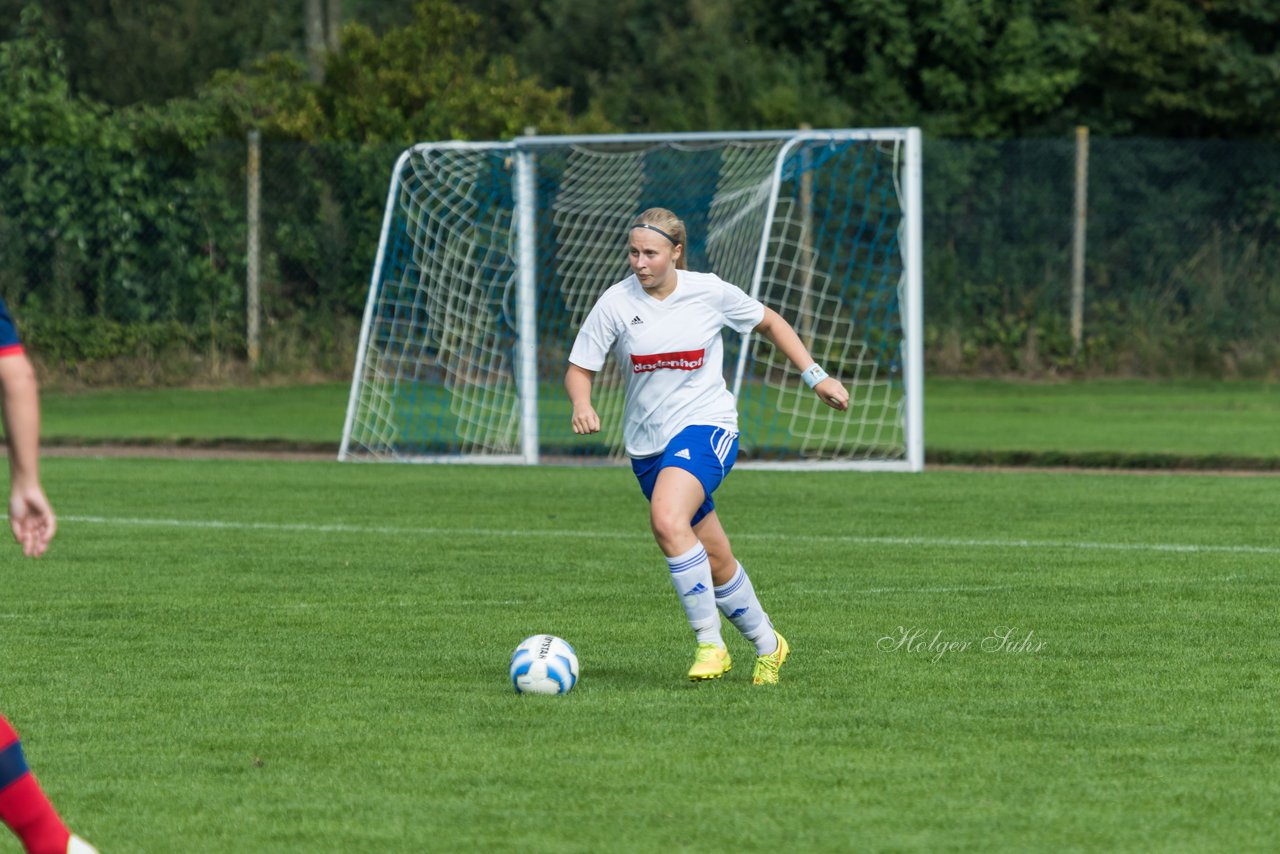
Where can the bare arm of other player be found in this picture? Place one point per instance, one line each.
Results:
(577, 382)
(830, 391)
(30, 515)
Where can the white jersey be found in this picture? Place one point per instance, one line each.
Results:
(671, 352)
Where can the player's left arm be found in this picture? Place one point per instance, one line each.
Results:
(830, 390)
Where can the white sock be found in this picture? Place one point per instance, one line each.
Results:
(737, 601)
(691, 575)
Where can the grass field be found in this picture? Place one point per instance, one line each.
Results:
(267, 656)
(1107, 423)
(310, 413)
(226, 655)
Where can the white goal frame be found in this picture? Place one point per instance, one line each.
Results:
(375, 424)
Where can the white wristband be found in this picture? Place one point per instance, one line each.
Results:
(813, 375)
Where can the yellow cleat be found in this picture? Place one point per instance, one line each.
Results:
(767, 666)
(710, 662)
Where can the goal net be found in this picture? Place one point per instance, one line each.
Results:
(492, 254)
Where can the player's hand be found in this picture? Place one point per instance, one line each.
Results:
(32, 520)
(832, 393)
(585, 420)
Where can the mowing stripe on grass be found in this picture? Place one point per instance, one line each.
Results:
(930, 542)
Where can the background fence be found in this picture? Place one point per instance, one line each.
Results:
(1181, 272)
(126, 268)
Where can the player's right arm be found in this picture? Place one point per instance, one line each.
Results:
(577, 382)
(30, 516)
(590, 348)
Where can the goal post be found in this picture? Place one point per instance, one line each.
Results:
(492, 254)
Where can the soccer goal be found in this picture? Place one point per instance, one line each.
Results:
(492, 254)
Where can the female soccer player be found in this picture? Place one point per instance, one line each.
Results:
(23, 805)
(680, 423)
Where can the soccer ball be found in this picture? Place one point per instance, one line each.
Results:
(544, 664)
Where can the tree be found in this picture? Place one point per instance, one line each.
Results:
(316, 44)
(122, 52)
(323, 22)
(100, 221)
(1174, 69)
(1000, 68)
(670, 66)
(428, 80)
(41, 108)
(956, 67)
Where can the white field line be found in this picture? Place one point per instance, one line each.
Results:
(1138, 582)
(786, 536)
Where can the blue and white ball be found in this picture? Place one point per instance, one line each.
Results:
(544, 664)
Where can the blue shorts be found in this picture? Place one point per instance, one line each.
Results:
(707, 453)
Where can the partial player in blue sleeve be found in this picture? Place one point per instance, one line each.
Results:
(24, 808)
(30, 516)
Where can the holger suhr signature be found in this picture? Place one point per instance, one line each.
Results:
(1009, 640)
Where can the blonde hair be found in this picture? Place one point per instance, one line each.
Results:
(669, 226)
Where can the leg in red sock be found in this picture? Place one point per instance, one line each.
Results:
(23, 805)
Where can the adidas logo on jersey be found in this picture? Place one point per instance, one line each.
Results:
(636, 321)
(696, 589)
(683, 453)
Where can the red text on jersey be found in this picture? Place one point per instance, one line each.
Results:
(689, 360)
